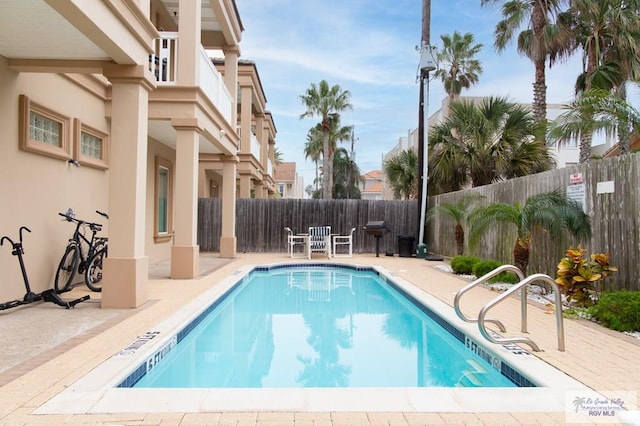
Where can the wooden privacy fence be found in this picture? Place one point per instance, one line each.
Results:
(611, 199)
(260, 222)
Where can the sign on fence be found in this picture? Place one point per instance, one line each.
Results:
(578, 194)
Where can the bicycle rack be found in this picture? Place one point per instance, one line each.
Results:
(526, 340)
(481, 320)
(486, 277)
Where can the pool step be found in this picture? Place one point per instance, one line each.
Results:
(469, 377)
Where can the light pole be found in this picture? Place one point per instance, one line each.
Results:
(427, 64)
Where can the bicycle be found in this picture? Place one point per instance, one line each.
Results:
(74, 258)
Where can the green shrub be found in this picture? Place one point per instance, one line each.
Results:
(618, 310)
(485, 266)
(464, 264)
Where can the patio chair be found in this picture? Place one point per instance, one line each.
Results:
(343, 240)
(296, 240)
(319, 240)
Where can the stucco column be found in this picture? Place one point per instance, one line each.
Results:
(245, 119)
(259, 190)
(231, 54)
(126, 270)
(245, 186)
(228, 243)
(185, 251)
(261, 135)
(189, 25)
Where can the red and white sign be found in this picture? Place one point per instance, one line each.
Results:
(575, 178)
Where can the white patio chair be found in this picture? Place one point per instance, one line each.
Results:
(343, 240)
(319, 240)
(296, 240)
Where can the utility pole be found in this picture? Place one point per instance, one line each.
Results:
(427, 64)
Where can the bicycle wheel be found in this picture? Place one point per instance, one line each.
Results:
(67, 268)
(93, 274)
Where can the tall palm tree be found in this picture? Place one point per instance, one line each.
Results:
(324, 101)
(541, 39)
(346, 176)
(608, 33)
(485, 142)
(550, 211)
(459, 212)
(400, 172)
(458, 68)
(313, 150)
(315, 139)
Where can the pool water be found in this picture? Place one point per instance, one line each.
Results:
(318, 327)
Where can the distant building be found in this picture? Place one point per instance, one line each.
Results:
(372, 187)
(288, 183)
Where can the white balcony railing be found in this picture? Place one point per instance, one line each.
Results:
(255, 147)
(164, 65)
(212, 84)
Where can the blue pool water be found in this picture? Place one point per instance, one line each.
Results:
(322, 326)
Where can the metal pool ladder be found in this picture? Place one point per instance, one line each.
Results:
(481, 320)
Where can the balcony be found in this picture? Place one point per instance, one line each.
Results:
(255, 147)
(164, 65)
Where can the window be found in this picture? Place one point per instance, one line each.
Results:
(91, 147)
(281, 189)
(163, 200)
(43, 131)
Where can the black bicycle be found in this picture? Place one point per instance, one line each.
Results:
(75, 258)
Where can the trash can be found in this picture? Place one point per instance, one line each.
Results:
(422, 250)
(405, 245)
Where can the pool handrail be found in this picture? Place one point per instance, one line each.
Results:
(486, 277)
(526, 340)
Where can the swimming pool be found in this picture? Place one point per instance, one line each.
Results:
(97, 391)
(318, 326)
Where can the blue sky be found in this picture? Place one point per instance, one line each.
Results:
(368, 48)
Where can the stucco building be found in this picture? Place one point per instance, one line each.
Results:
(126, 90)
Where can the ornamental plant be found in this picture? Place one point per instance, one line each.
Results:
(579, 278)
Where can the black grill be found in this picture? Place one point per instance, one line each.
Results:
(377, 228)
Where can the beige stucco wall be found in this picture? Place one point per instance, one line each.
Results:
(157, 251)
(35, 187)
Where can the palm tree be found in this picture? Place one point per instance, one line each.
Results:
(277, 156)
(607, 31)
(459, 212)
(458, 68)
(484, 143)
(315, 139)
(346, 176)
(400, 172)
(550, 211)
(596, 110)
(313, 150)
(325, 102)
(541, 40)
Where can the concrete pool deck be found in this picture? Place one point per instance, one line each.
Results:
(57, 347)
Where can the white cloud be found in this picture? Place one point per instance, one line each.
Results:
(368, 48)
